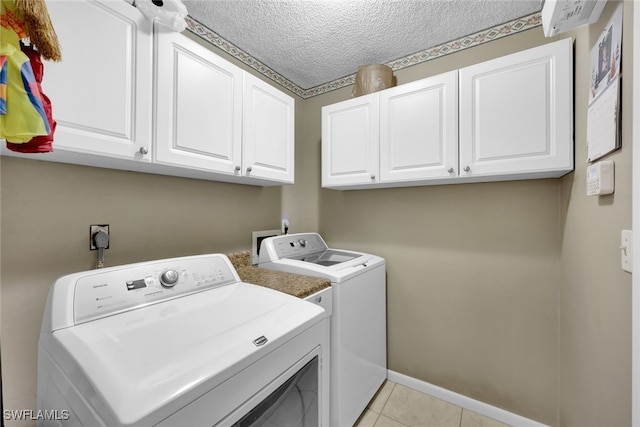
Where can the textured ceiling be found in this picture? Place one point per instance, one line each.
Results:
(312, 42)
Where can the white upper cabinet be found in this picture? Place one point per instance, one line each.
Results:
(403, 135)
(198, 106)
(516, 114)
(213, 116)
(134, 96)
(268, 131)
(101, 91)
(351, 142)
(508, 118)
(419, 130)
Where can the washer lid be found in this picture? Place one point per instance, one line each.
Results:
(308, 254)
(336, 272)
(330, 257)
(142, 365)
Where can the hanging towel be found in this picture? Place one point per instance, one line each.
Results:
(3, 84)
(37, 144)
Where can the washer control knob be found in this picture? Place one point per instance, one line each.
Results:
(169, 278)
(302, 242)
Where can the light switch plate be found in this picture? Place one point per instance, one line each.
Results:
(626, 250)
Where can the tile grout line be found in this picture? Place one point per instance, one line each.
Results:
(388, 397)
(386, 402)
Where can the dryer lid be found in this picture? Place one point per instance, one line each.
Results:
(159, 357)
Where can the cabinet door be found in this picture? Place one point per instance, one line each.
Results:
(101, 90)
(198, 106)
(351, 142)
(419, 129)
(516, 113)
(267, 132)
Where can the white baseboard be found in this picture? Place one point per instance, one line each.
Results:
(463, 401)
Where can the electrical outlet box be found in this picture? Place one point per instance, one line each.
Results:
(93, 229)
(256, 239)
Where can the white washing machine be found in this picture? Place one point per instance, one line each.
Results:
(180, 342)
(358, 322)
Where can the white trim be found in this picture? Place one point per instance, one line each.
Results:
(635, 280)
(463, 401)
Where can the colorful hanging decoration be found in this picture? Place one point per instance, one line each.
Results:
(3, 85)
(25, 112)
(39, 28)
(41, 143)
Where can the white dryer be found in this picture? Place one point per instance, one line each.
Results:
(180, 342)
(358, 321)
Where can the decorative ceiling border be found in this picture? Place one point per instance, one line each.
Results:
(509, 28)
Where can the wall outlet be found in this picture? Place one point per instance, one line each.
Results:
(93, 229)
(256, 238)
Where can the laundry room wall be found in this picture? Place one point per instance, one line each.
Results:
(46, 212)
(508, 292)
(473, 270)
(46, 209)
(595, 293)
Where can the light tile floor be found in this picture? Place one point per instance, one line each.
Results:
(395, 405)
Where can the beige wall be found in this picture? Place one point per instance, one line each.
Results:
(473, 271)
(46, 212)
(509, 292)
(595, 294)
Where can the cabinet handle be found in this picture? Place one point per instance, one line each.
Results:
(237, 169)
(373, 177)
(450, 170)
(144, 150)
(249, 169)
(467, 168)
